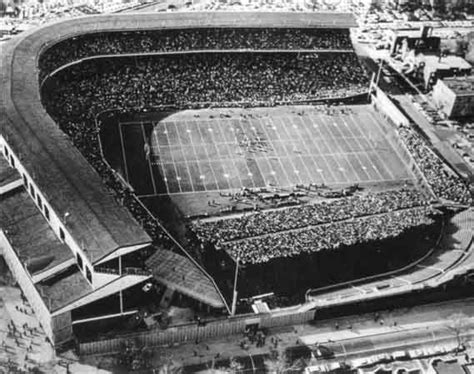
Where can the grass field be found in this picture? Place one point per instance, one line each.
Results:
(282, 148)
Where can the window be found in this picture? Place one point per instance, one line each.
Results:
(79, 261)
(46, 212)
(32, 191)
(12, 160)
(5, 150)
(40, 204)
(61, 234)
(88, 275)
(25, 181)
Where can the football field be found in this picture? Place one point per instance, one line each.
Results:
(281, 149)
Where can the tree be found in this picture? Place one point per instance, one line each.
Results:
(470, 48)
(233, 367)
(171, 367)
(278, 362)
(458, 323)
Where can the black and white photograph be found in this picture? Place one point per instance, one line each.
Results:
(237, 186)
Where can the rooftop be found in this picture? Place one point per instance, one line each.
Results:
(7, 173)
(434, 62)
(30, 235)
(178, 272)
(461, 85)
(64, 288)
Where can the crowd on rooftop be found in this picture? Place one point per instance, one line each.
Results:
(191, 39)
(443, 181)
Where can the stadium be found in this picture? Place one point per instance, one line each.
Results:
(200, 161)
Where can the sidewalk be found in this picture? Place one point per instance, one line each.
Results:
(23, 341)
(317, 332)
(25, 347)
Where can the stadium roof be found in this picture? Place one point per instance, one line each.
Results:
(178, 272)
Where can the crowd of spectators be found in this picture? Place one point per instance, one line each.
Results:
(311, 239)
(443, 181)
(273, 221)
(75, 96)
(191, 39)
(194, 80)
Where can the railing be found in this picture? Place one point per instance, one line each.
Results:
(106, 270)
(135, 271)
(125, 271)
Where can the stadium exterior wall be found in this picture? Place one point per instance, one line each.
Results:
(194, 332)
(26, 284)
(58, 226)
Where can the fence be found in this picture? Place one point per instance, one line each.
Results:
(193, 332)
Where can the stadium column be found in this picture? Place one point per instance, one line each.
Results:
(234, 294)
(120, 292)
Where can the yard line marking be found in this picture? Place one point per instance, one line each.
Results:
(365, 151)
(311, 135)
(231, 147)
(324, 155)
(320, 153)
(376, 125)
(292, 119)
(266, 133)
(123, 153)
(161, 166)
(208, 159)
(364, 168)
(345, 155)
(179, 131)
(268, 159)
(172, 157)
(189, 124)
(290, 180)
(232, 159)
(150, 168)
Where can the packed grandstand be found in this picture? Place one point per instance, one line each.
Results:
(75, 95)
(234, 68)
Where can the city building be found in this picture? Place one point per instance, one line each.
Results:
(455, 96)
(413, 40)
(436, 66)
